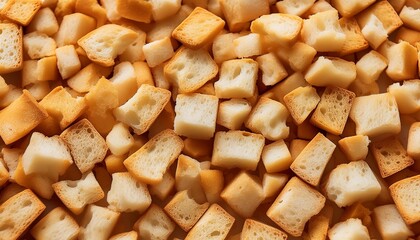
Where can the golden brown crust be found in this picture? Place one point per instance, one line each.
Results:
(21, 11)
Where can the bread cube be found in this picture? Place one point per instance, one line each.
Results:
(238, 13)
(150, 162)
(375, 115)
(295, 205)
(276, 157)
(73, 27)
(272, 183)
(67, 61)
(190, 69)
(21, 11)
(409, 16)
(198, 29)
(405, 194)
(232, 113)
(4, 88)
(352, 182)
(384, 11)
(294, 7)
(154, 224)
(77, 194)
(184, 210)
(187, 177)
(97, 223)
(164, 187)
(355, 41)
(38, 45)
(389, 223)
(158, 51)
(351, 229)
(408, 35)
(215, 224)
(197, 148)
(253, 229)
(268, 117)
(248, 45)
(331, 71)
(139, 11)
(323, 32)
(212, 183)
(413, 146)
(125, 81)
(374, 32)
(348, 9)
(4, 173)
(355, 147)
(405, 95)
(164, 9)
(134, 52)
(223, 48)
(301, 56)
(127, 194)
(358, 210)
(370, 66)
(119, 139)
(300, 102)
(46, 69)
(44, 21)
(272, 69)
(86, 78)
(237, 149)
(11, 57)
(402, 59)
(131, 235)
(56, 224)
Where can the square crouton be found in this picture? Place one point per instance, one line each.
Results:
(243, 194)
(11, 55)
(223, 48)
(195, 115)
(198, 29)
(215, 224)
(389, 222)
(311, 162)
(237, 149)
(139, 11)
(158, 51)
(355, 147)
(295, 205)
(348, 9)
(375, 115)
(212, 183)
(190, 69)
(276, 157)
(57, 223)
(390, 156)
(272, 69)
(21, 11)
(44, 21)
(87, 77)
(300, 102)
(150, 162)
(370, 66)
(272, 183)
(333, 110)
(238, 13)
(406, 96)
(187, 177)
(20, 117)
(46, 69)
(268, 117)
(405, 194)
(409, 15)
(352, 182)
(294, 7)
(253, 229)
(355, 40)
(402, 59)
(67, 61)
(301, 56)
(413, 145)
(374, 32)
(119, 139)
(351, 229)
(248, 45)
(232, 113)
(154, 224)
(73, 27)
(97, 223)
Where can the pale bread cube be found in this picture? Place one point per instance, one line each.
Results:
(408, 35)
(164, 9)
(4, 173)
(139, 11)
(350, 8)
(405, 95)
(143, 73)
(73, 27)
(352, 182)
(237, 79)
(272, 183)
(232, 113)
(190, 69)
(154, 224)
(21, 11)
(402, 59)
(85, 79)
(185, 210)
(134, 52)
(198, 29)
(18, 213)
(125, 81)
(127, 194)
(405, 195)
(131, 235)
(384, 11)
(312, 160)
(358, 210)
(323, 32)
(300, 102)
(295, 205)
(115, 164)
(197, 148)
(75, 195)
(354, 147)
(46, 69)
(158, 51)
(38, 45)
(141, 110)
(119, 139)
(195, 115)
(351, 229)
(97, 223)
(294, 7)
(331, 71)
(410, 15)
(374, 32)
(301, 56)
(318, 6)
(375, 115)
(248, 45)
(276, 157)
(237, 149)
(44, 21)
(268, 117)
(389, 223)
(39, 90)
(238, 13)
(296, 147)
(370, 66)
(29, 67)
(150, 162)
(272, 69)
(254, 229)
(212, 182)
(284, 87)
(187, 177)
(215, 224)
(110, 7)
(11, 159)
(67, 61)
(223, 48)
(413, 146)
(4, 88)
(164, 187)
(355, 40)
(57, 224)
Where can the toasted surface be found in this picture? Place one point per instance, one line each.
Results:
(238, 13)
(355, 147)
(232, 113)
(405, 194)
(413, 145)
(405, 95)
(97, 223)
(276, 157)
(389, 222)
(348, 9)
(11, 57)
(57, 224)
(351, 229)
(254, 229)
(21, 11)
(132, 235)
(384, 11)
(355, 40)
(300, 102)
(139, 11)
(155, 224)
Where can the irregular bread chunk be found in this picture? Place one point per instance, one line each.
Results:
(238, 13)
(97, 223)
(407, 95)
(402, 59)
(390, 224)
(276, 157)
(294, 7)
(73, 27)
(154, 224)
(355, 147)
(300, 102)
(21, 11)
(119, 139)
(11, 55)
(351, 229)
(355, 40)
(384, 11)
(253, 229)
(44, 21)
(232, 113)
(413, 145)
(405, 194)
(370, 66)
(131, 235)
(139, 11)
(272, 69)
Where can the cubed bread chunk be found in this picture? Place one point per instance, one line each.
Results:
(389, 223)
(276, 157)
(97, 223)
(119, 139)
(21, 11)
(272, 183)
(139, 11)
(402, 59)
(158, 51)
(301, 56)
(239, 149)
(254, 229)
(300, 102)
(73, 27)
(164, 187)
(413, 145)
(164, 9)
(38, 45)
(238, 13)
(374, 32)
(44, 21)
(348, 9)
(248, 45)
(232, 113)
(295, 205)
(222, 47)
(355, 147)
(355, 40)
(131, 235)
(67, 61)
(294, 7)
(154, 224)
(87, 77)
(409, 16)
(187, 177)
(352, 182)
(384, 11)
(370, 66)
(405, 194)
(11, 56)
(212, 183)
(406, 95)
(351, 229)
(272, 69)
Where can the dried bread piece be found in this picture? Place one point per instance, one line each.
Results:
(351, 229)
(11, 55)
(73, 27)
(21, 11)
(406, 95)
(389, 223)
(18, 212)
(212, 183)
(139, 11)
(409, 15)
(158, 51)
(97, 223)
(248, 45)
(294, 7)
(44, 21)
(300, 102)
(370, 66)
(131, 235)
(272, 69)
(253, 229)
(402, 59)
(355, 147)
(355, 40)
(405, 194)
(187, 177)
(276, 157)
(119, 139)
(413, 145)
(154, 224)
(350, 8)
(232, 113)
(38, 45)
(272, 184)
(238, 13)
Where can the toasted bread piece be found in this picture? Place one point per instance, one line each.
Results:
(86, 145)
(405, 195)
(370, 66)
(374, 32)
(222, 47)
(73, 27)
(139, 11)
(405, 95)
(409, 16)
(254, 229)
(154, 224)
(294, 7)
(38, 45)
(18, 212)
(212, 183)
(272, 69)
(232, 113)
(238, 13)
(295, 205)
(187, 177)
(20, 117)
(355, 147)
(164, 187)
(21, 11)
(119, 139)
(351, 229)
(67, 61)
(4, 173)
(301, 56)
(413, 145)
(4, 88)
(248, 45)
(272, 184)
(150, 162)
(86, 78)
(276, 157)
(237, 149)
(44, 21)
(352, 182)
(355, 40)
(384, 11)
(358, 210)
(93, 9)
(348, 9)
(158, 51)
(408, 35)
(97, 223)
(300, 102)
(57, 224)
(402, 59)
(287, 85)
(389, 222)
(131, 235)
(111, 39)
(11, 56)
(198, 29)
(215, 224)
(164, 9)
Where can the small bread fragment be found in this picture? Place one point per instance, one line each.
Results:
(21, 11)
(67, 61)
(248, 45)
(384, 11)
(238, 13)
(198, 29)
(276, 157)
(119, 139)
(212, 183)
(408, 35)
(351, 229)
(136, 10)
(389, 223)
(20, 117)
(370, 66)
(355, 147)
(300, 102)
(150, 162)
(222, 47)
(97, 223)
(187, 177)
(131, 235)
(413, 145)
(73, 27)
(402, 59)
(38, 45)
(4, 173)
(272, 69)
(158, 51)
(44, 21)
(57, 224)
(348, 9)
(409, 15)
(272, 183)
(405, 194)
(18, 212)
(86, 145)
(232, 113)
(253, 229)
(215, 224)
(237, 149)
(295, 205)
(374, 32)
(11, 55)
(154, 224)
(355, 40)
(85, 79)
(301, 56)
(294, 7)
(164, 9)
(103, 44)
(164, 187)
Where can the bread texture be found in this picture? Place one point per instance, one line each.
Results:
(354, 147)
(155, 224)
(21, 11)
(300, 102)
(405, 195)
(413, 145)
(355, 41)
(139, 11)
(351, 229)
(276, 157)
(131, 235)
(97, 223)
(73, 27)
(11, 57)
(238, 13)
(232, 113)
(254, 229)
(389, 222)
